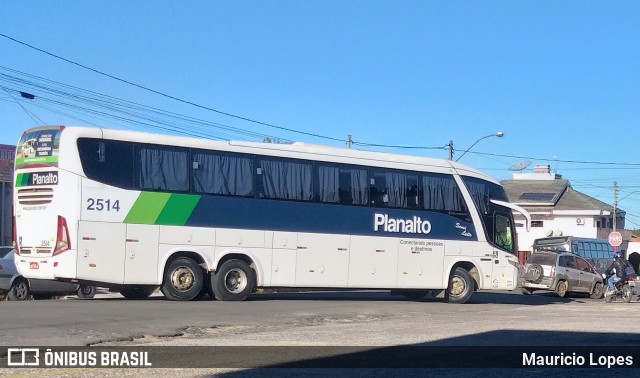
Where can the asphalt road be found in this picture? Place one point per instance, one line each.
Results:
(341, 318)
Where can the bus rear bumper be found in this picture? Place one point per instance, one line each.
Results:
(47, 268)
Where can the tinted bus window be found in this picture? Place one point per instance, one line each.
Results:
(441, 193)
(393, 188)
(342, 184)
(288, 180)
(162, 168)
(224, 174)
(481, 191)
(107, 161)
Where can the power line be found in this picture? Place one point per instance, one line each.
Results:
(555, 160)
(33, 117)
(170, 96)
(115, 104)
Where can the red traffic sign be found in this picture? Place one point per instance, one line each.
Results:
(615, 239)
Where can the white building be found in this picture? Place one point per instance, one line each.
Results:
(557, 209)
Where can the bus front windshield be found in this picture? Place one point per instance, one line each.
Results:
(497, 220)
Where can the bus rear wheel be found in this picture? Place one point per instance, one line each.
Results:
(234, 281)
(183, 279)
(461, 286)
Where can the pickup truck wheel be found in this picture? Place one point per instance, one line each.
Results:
(561, 289)
(597, 291)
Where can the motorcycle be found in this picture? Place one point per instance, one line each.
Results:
(622, 290)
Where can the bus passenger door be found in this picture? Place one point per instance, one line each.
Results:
(101, 251)
(141, 258)
(504, 275)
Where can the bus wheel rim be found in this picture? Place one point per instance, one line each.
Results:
(458, 286)
(182, 279)
(235, 280)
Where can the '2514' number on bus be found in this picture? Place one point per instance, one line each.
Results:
(100, 204)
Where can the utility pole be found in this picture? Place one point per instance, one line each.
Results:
(349, 141)
(450, 145)
(615, 204)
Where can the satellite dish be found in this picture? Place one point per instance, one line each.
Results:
(520, 166)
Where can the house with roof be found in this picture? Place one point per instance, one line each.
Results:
(557, 209)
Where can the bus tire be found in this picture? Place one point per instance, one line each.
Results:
(19, 290)
(183, 279)
(86, 291)
(460, 287)
(234, 281)
(137, 291)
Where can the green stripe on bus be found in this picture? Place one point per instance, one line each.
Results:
(20, 178)
(178, 210)
(147, 208)
(23, 179)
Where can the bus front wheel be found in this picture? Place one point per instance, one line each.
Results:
(234, 281)
(183, 279)
(461, 286)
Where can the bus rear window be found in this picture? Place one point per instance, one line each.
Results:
(107, 161)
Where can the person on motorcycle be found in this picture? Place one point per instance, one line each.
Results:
(619, 265)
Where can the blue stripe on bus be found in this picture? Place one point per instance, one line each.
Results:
(257, 214)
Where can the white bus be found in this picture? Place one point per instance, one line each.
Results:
(133, 211)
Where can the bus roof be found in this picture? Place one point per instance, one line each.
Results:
(294, 150)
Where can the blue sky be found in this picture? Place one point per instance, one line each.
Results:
(560, 79)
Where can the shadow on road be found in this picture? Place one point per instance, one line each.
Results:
(482, 297)
(481, 354)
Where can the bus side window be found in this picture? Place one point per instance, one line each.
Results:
(223, 174)
(285, 179)
(107, 161)
(377, 190)
(162, 168)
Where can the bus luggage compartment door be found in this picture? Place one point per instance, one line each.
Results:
(101, 251)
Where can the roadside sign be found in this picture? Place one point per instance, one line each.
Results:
(7, 160)
(615, 239)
